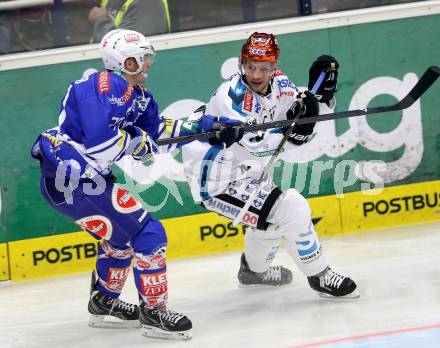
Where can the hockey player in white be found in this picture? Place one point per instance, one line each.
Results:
(223, 178)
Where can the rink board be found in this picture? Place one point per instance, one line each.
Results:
(54, 255)
(200, 234)
(4, 262)
(209, 233)
(397, 205)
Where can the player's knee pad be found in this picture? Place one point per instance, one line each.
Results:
(291, 213)
(301, 240)
(113, 266)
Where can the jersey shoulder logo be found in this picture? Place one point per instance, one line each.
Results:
(248, 99)
(104, 82)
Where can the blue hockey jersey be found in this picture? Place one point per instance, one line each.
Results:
(94, 113)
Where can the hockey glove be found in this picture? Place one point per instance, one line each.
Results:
(328, 88)
(306, 105)
(141, 146)
(229, 131)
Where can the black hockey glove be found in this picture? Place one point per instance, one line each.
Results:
(306, 105)
(328, 88)
(229, 132)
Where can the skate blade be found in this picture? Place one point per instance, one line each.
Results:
(109, 322)
(244, 286)
(353, 295)
(168, 335)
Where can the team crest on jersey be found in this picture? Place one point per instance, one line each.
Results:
(247, 102)
(123, 201)
(104, 82)
(96, 224)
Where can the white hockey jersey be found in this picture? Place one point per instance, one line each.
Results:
(210, 169)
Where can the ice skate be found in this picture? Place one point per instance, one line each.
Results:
(333, 285)
(274, 276)
(107, 312)
(161, 322)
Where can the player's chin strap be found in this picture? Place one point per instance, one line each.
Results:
(265, 174)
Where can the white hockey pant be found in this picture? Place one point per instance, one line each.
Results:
(290, 219)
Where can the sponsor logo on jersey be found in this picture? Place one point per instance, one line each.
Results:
(123, 201)
(154, 285)
(128, 93)
(104, 82)
(248, 99)
(264, 153)
(96, 224)
(116, 278)
(120, 101)
(285, 94)
(283, 83)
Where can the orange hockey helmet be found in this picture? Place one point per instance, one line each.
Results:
(260, 47)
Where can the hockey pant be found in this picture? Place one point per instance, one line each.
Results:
(126, 232)
(273, 216)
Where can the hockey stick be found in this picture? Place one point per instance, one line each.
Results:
(426, 81)
(266, 171)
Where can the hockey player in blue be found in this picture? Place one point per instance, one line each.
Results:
(103, 117)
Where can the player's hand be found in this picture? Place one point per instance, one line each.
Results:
(328, 88)
(228, 130)
(306, 105)
(141, 146)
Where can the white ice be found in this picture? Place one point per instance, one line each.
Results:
(397, 271)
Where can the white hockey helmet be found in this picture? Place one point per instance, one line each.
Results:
(119, 44)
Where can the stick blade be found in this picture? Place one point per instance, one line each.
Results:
(426, 81)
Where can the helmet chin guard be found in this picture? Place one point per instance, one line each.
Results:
(120, 44)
